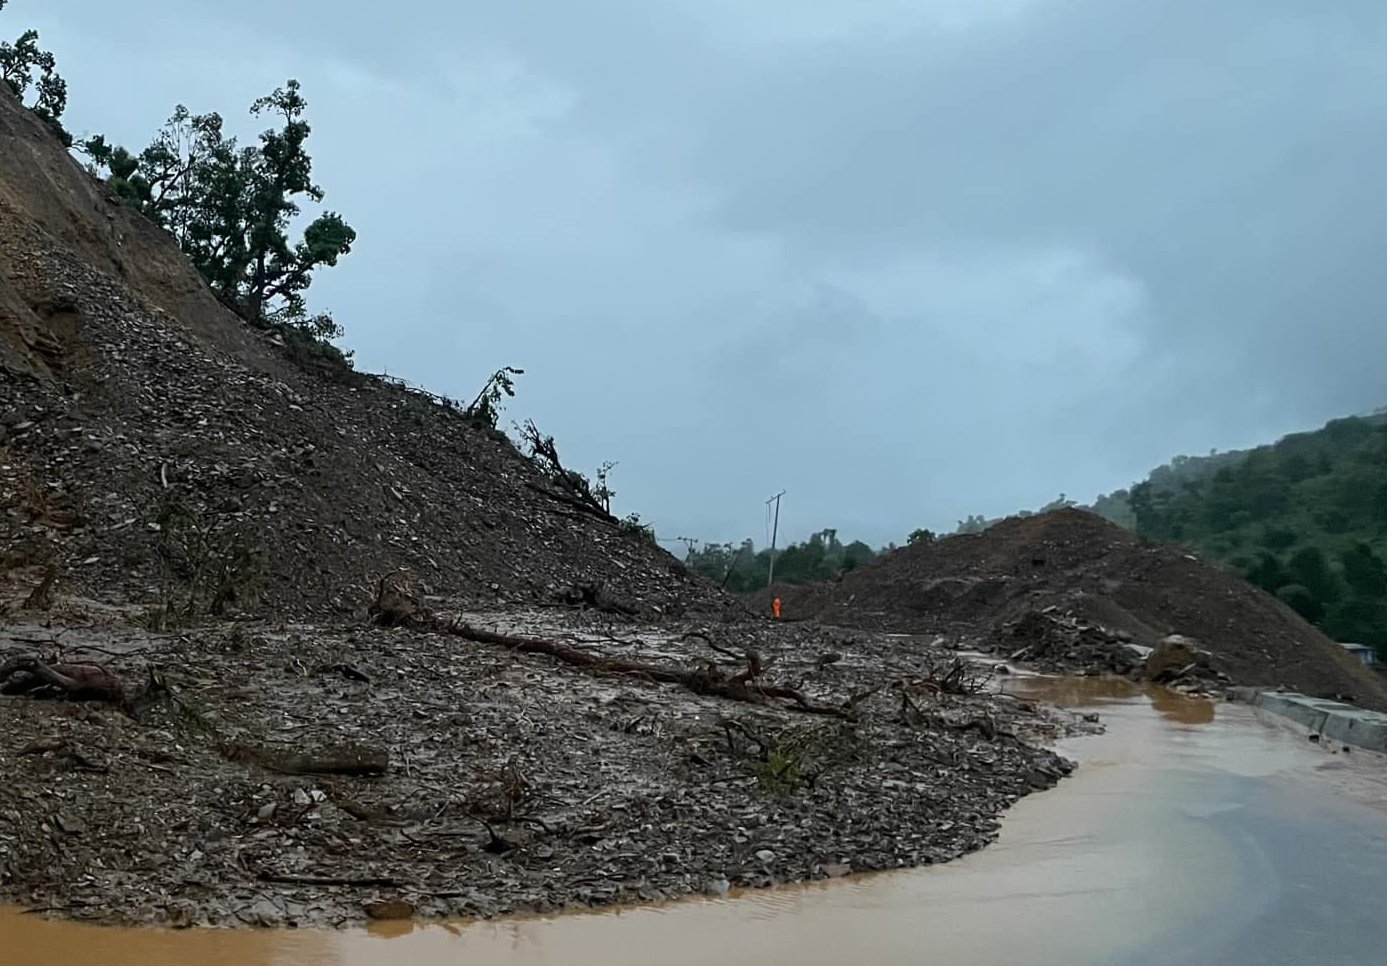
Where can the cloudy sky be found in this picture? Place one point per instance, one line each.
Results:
(906, 260)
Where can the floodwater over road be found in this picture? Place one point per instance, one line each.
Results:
(1192, 833)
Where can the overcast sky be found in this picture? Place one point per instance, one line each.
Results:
(907, 259)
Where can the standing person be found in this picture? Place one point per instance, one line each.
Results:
(777, 608)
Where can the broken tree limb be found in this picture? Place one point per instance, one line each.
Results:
(347, 760)
(705, 680)
(27, 676)
(397, 600)
(580, 493)
(570, 501)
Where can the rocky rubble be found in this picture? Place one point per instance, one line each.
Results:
(1056, 642)
(513, 782)
(359, 478)
(131, 399)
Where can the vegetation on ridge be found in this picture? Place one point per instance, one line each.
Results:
(230, 207)
(27, 68)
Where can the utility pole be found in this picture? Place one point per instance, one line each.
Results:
(775, 501)
(690, 543)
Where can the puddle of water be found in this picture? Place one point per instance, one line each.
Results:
(1097, 692)
(1191, 833)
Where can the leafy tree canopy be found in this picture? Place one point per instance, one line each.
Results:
(232, 207)
(31, 73)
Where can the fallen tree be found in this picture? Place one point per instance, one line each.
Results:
(353, 760)
(707, 679)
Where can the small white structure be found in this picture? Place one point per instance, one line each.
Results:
(1363, 653)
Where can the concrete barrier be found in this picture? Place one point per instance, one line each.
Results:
(1332, 720)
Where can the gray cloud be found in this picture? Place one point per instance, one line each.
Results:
(910, 261)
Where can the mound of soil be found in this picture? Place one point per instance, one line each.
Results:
(1089, 570)
(136, 412)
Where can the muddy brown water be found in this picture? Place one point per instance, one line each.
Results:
(1192, 832)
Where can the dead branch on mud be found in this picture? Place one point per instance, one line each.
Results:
(956, 676)
(27, 676)
(61, 748)
(912, 714)
(397, 600)
(707, 679)
(348, 760)
(594, 597)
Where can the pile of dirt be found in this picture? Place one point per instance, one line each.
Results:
(1086, 569)
(149, 439)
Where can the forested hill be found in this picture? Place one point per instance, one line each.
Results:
(1304, 518)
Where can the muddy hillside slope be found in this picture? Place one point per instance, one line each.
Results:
(148, 436)
(1077, 567)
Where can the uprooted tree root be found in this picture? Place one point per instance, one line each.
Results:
(26, 675)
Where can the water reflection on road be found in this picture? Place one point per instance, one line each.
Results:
(1193, 833)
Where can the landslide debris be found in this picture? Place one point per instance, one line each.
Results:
(500, 781)
(145, 432)
(1069, 590)
(283, 645)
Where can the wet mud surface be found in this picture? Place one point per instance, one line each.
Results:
(1191, 832)
(512, 783)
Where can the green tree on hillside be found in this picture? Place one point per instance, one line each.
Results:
(231, 208)
(743, 568)
(972, 524)
(1303, 518)
(27, 68)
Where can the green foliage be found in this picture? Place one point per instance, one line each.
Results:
(27, 68)
(973, 524)
(486, 407)
(231, 209)
(780, 771)
(1303, 518)
(632, 524)
(922, 535)
(1302, 600)
(782, 765)
(312, 350)
(1115, 508)
(742, 568)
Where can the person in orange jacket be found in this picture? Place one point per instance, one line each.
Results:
(776, 608)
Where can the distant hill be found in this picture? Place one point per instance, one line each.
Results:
(1304, 518)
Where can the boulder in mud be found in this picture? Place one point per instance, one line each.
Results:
(1173, 656)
